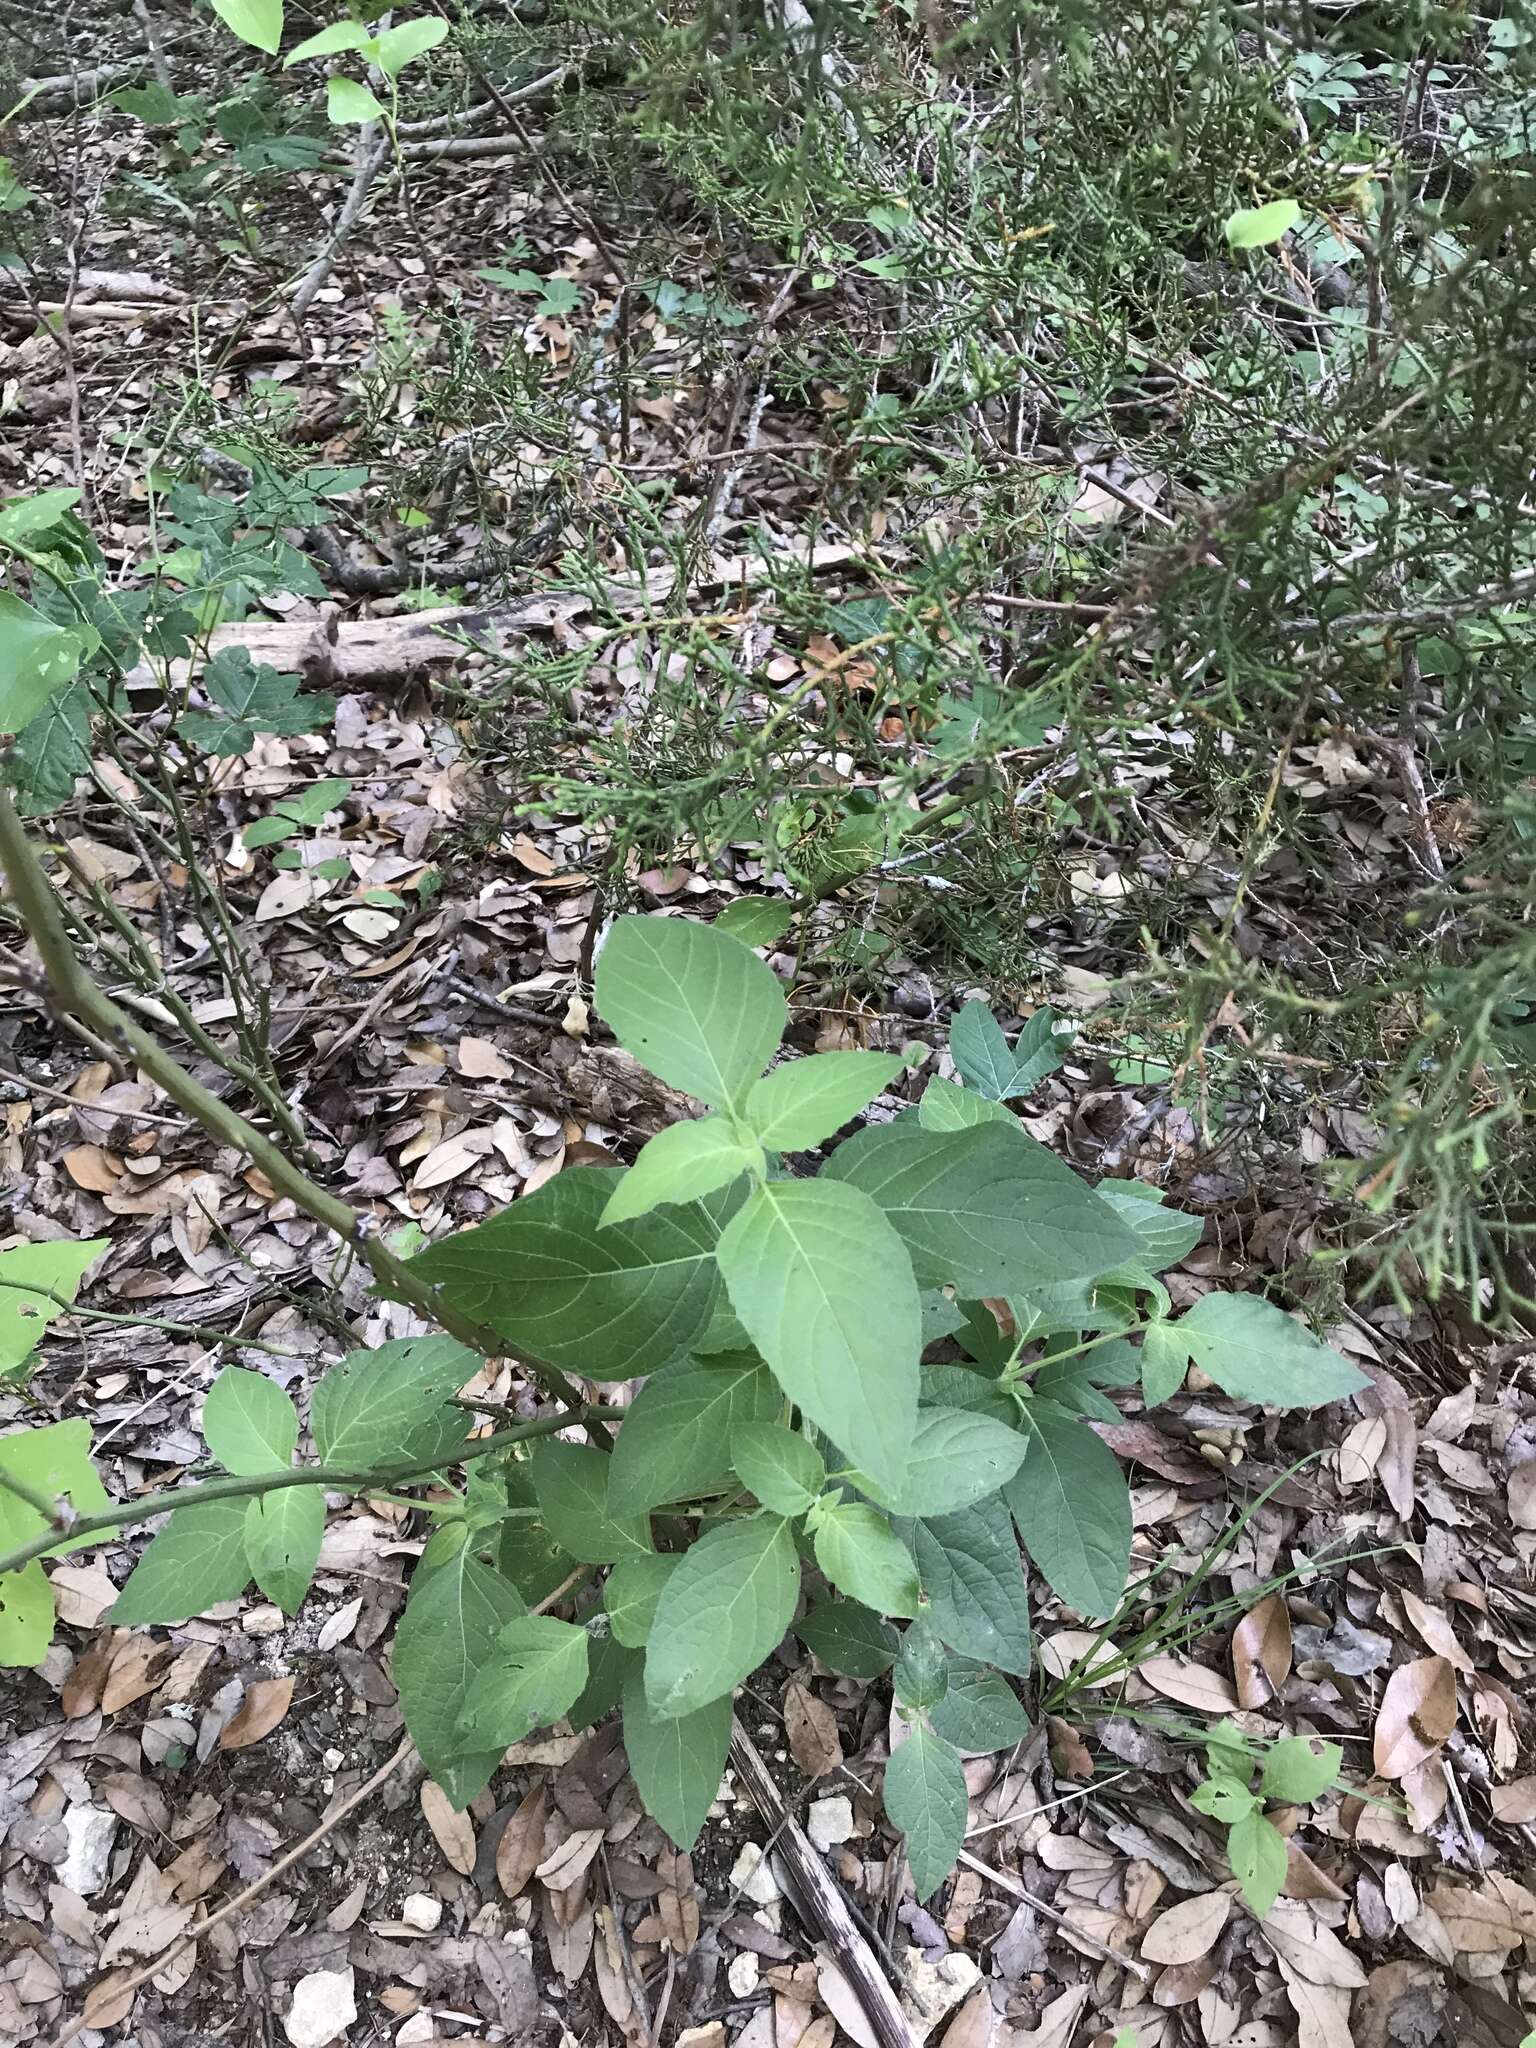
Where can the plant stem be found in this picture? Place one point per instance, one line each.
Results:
(39, 1503)
(240, 1486)
(75, 992)
(201, 1331)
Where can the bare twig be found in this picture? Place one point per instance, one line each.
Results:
(369, 158)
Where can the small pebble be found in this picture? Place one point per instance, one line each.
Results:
(264, 1621)
(830, 1822)
(743, 1974)
(422, 1912)
(750, 1873)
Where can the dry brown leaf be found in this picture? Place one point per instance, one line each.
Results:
(521, 1848)
(1322, 2014)
(1514, 1804)
(975, 2024)
(1303, 1879)
(1522, 1495)
(82, 1689)
(568, 1865)
(1186, 1931)
(478, 1060)
(1401, 2002)
(1070, 1755)
(1396, 1470)
(265, 1703)
(1181, 1983)
(811, 1727)
(135, 1671)
(613, 1981)
(1304, 1947)
(1434, 1625)
(1261, 1652)
(453, 1832)
(1486, 1919)
(109, 2003)
(1417, 1713)
(148, 1920)
(1178, 1678)
(679, 1902)
(89, 1167)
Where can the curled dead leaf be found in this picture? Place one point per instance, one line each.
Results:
(1417, 1713)
(265, 1703)
(1261, 1652)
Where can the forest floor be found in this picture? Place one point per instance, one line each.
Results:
(430, 1012)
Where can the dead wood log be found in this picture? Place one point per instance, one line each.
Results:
(819, 1902)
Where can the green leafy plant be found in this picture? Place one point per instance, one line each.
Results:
(781, 1321)
(1292, 1772)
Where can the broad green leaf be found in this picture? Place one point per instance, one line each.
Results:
(571, 1482)
(862, 1555)
(609, 1666)
(824, 1289)
(250, 1423)
(1255, 227)
(35, 514)
(692, 1004)
(347, 102)
(59, 1265)
(397, 47)
(806, 1101)
(37, 660)
(447, 1636)
(1224, 1799)
(675, 1440)
(961, 1386)
(389, 1405)
(1163, 1236)
(780, 1466)
(956, 1457)
(197, 1560)
(606, 1302)
(283, 1533)
(259, 22)
(26, 1615)
(1297, 1773)
(721, 1613)
(1164, 1362)
(45, 762)
(341, 35)
(849, 1638)
(677, 1760)
(308, 807)
(527, 1554)
(1257, 1853)
(926, 1798)
(980, 1712)
(945, 1106)
(987, 1211)
(631, 1593)
(1074, 1383)
(1255, 1351)
(973, 1577)
(993, 1067)
(251, 698)
(756, 920)
(680, 1164)
(921, 1677)
(1070, 1500)
(538, 1670)
(54, 1462)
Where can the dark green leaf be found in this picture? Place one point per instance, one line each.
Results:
(849, 1638)
(571, 1483)
(980, 1712)
(863, 1556)
(677, 1760)
(457, 1609)
(993, 1067)
(609, 1665)
(631, 1595)
(926, 1798)
(283, 1533)
(921, 1677)
(987, 1211)
(973, 1577)
(389, 1405)
(251, 699)
(1070, 1500)
(780, 1466)
(608, 1303)
(676, 1436)
(197, 1560)
(537, 1671)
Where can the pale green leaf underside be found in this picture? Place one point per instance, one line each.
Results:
(537, 1672)
(824, 1289)
(692, 1004)
(680, 1164)
(58, 1266)
(957, 1456)
(197, 1560)
(777, 1464)
(862, 1556)
(676, 1437)
(721, 1613)
(805, 1101)
(571, 1482)
(283, 1534)
(390, 1403)
(1257, 1352)
(250, 1423)
(973, 1576)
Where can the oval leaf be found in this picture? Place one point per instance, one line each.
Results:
(721, 1613)
(691, 1003)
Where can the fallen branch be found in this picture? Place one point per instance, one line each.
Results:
(333, 654)
(369, 158)
(819, 1902)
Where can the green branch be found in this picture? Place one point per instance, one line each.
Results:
(73, 991)
(239, 1486)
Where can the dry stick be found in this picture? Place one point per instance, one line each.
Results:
(368, 160)
(77, 994)
(1015, 1890)
(823, 1904)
